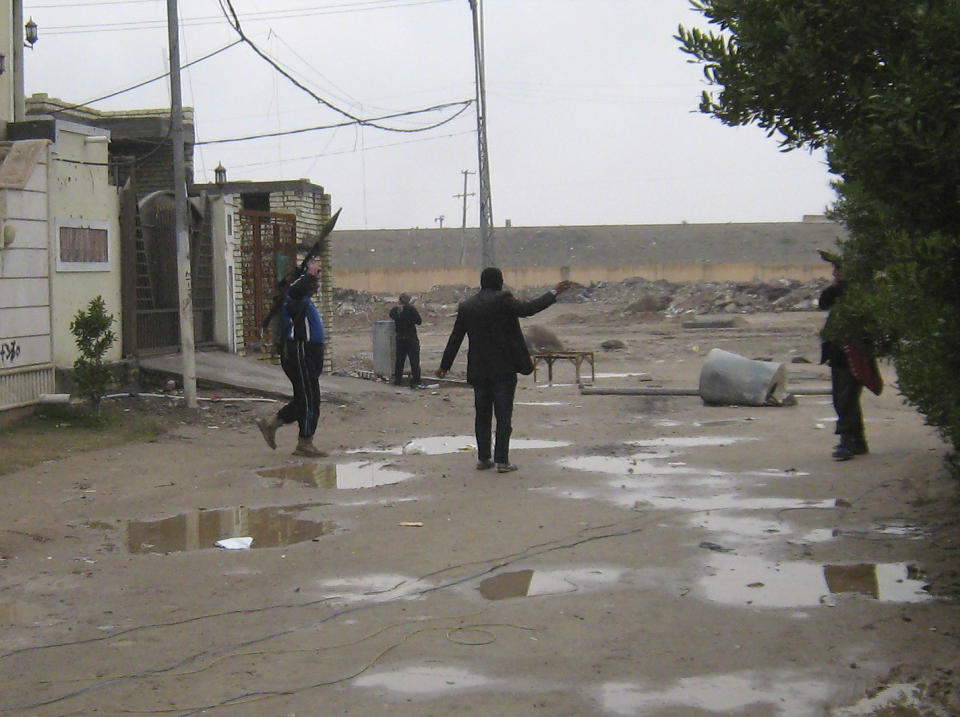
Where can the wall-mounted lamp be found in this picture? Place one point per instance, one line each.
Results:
(31, 35)
(220, 174)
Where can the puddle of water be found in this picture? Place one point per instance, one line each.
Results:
(622, 375)
(532, 583)
(197, 530)
(425, 680)
(781, 693)
(675, 443)
(438, 445)
(820, 535)
(346, 476)
(376, 588)
(903, 698)
(739, 525)
(753, 581)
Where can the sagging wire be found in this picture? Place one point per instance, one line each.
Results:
(349, 123)
(226, 6)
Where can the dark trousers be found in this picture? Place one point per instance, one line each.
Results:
(407, 348)
(494, 397)
(302, 362)
(846, 402)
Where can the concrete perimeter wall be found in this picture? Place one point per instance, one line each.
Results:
(395, 280)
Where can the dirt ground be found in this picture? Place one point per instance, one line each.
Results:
(652, 556)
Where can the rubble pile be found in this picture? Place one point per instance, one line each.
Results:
(633, 295)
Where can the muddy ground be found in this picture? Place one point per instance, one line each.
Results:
(652, 556)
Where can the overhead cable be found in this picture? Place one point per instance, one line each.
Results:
(231, 15)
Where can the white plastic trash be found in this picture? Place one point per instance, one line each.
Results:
(730, 379)
(243, 543)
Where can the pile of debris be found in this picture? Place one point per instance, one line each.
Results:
(629, 296)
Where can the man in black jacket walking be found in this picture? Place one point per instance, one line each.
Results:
(496, 354)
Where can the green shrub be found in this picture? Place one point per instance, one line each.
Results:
(91, 330)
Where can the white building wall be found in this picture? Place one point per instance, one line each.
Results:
(26, 368)
(81, 197)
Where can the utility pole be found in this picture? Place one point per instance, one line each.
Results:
(487, 254)
(184, 279)
(465, 173)
(440, 220)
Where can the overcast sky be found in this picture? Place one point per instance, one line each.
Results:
(592, 108)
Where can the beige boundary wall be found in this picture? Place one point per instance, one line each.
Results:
(393, 281)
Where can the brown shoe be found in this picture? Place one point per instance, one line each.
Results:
(268, 427)
(306, 448)
(506, 467)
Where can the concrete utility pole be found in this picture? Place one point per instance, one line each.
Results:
(487, 253)
(184, 278)
(465, 173)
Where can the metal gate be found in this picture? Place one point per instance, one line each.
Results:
(153, 258)
(268, 250)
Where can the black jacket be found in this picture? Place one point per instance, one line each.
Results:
(491, 320)
(406, 319)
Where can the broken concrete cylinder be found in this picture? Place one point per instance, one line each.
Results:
(730, 379)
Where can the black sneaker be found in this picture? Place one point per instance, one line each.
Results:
(843, 453)
(506, 467)
(484, 465)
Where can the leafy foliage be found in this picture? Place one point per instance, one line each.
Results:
(874, 84)
(93, 336)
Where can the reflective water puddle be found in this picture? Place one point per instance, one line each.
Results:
(656, 479)
(782, 693)
(345, 476)
(438, 445)
(197, 530)
(738, 580)
(376, 588)
(532, 583)
(621, 375)
(425, 680)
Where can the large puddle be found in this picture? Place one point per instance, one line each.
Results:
(426, 679)
(439, 445)
(271, 527)
(781, 693)
(345, 476)
(741, 580)
(533, 583)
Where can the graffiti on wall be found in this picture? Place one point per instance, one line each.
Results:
(9, 352)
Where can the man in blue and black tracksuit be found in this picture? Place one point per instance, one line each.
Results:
(301, 356)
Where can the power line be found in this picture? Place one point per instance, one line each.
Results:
(234, 21)
(283, 133)
(264, 16)
(366, 148)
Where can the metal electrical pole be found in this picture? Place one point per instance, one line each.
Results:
(487, 254)
(184, 279)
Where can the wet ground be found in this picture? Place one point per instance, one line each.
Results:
(652, 556)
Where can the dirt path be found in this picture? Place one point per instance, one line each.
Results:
(652, 556)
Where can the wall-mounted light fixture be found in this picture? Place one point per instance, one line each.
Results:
(31, 32)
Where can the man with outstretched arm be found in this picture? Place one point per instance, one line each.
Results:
(496, 353)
